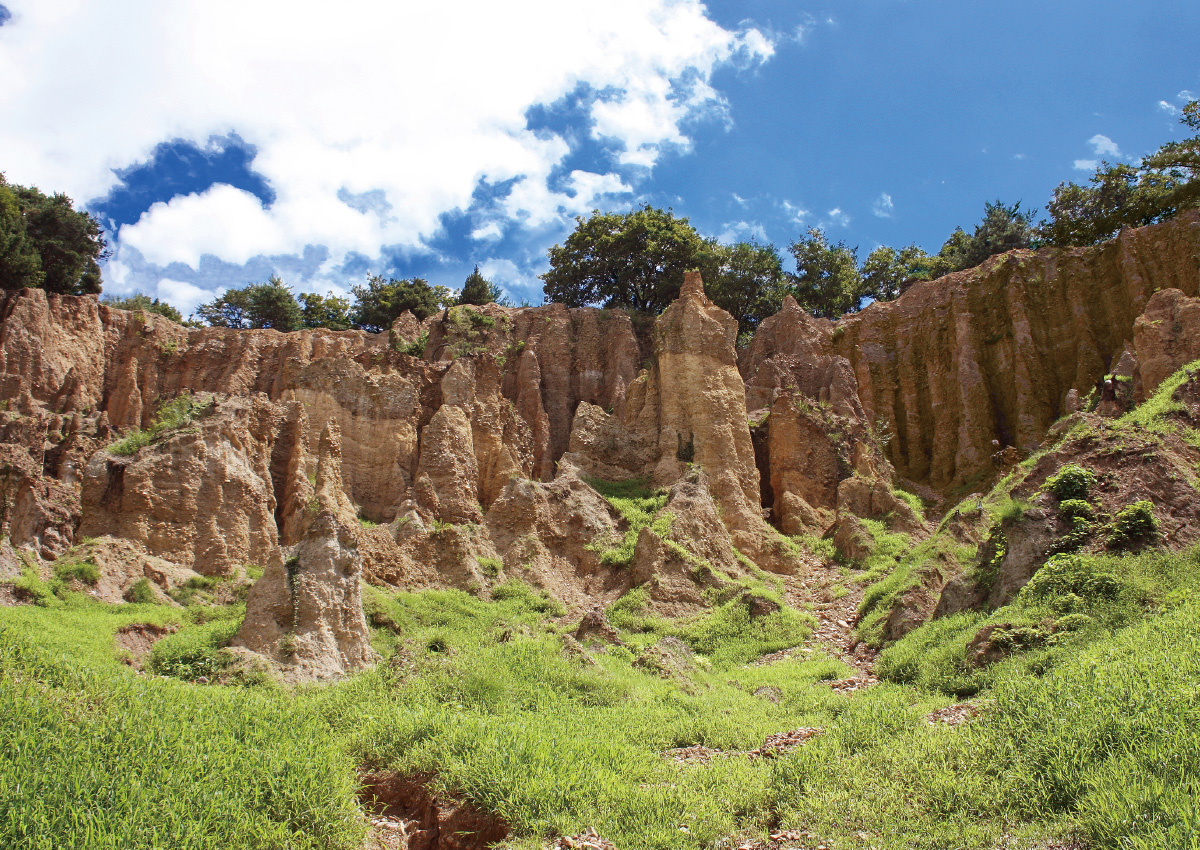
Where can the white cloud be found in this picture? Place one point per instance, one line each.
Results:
(1086, 164)
(798, 214)
(1104, 146)
(491, 230)
(1167, 108)
(1018, 156)
(371, 100)
(740, 201)
(184, 296)
(1185, 96)
(743, 231)
(836, 218)
(883, 206)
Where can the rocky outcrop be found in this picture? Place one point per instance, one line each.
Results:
(991, 353)
(1166, 337)
(306, 614)
(202, 497)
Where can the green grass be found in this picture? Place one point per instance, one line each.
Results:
(640, 506)
(1095, 733)
(172, 415)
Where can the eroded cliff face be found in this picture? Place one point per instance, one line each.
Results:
(991, 353)
(461, 451)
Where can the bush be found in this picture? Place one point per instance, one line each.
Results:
(1133, 523)
(1072, 508)
(1071, 482)
(171, 415)
(141, 592)
(194, 652)
(1064, 574)
(83, 571)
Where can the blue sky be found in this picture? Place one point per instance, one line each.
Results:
(220, 143)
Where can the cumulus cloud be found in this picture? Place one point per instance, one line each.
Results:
(883, 206)
(1104, 146)
(1086, 164)
(369, 123)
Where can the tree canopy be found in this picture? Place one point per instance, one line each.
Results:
(325, 311)
(259, 305)
(1004, 228)
(140, 301)
(827, 282)
(46, 243)
(381, 301)
(477, 289)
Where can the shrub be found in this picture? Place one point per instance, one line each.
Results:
(171, 415)
(141, 592)
(195, 651)
(1133, 523)
(1071, 482)
(1064, 574)
(1072, 508)
(84, 571)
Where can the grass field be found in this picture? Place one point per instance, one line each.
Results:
(1094, 734)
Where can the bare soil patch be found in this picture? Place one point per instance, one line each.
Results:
(137, 640)
(406, 815)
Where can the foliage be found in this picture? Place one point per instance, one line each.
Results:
(827, 282)
(172, 415)
(886, 271)
(46, 243)
(1120, 196)
(1075, 574)
(1072, 508)
(324, 311)
(67, 569)
(139, 301)
(141, 592)
(634, 260)
(747, 282)
(1133, 523)
(477, 289)
(1071, 482)
(639, 506)
(259, 305)
(1004, 228)
(381, 301)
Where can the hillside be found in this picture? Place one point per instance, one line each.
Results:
(767, 575)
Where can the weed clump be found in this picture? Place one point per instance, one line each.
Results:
(1071, 482)
(1132, 524)
(81, 571)
(1072, 508)
(1071, 574)
(639, 506)
(171, 416)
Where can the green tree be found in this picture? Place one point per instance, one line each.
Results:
(20, 265)
(747, 281)
(67, 243)
(886, 271)
(477, 289)
(381, 301)
(325, 311)
(634, 260)
(140, 301)
(1119, 196)
(1003, 228)
(259, 305)
(827, 282)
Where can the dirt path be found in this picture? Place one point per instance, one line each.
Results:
(834, 602)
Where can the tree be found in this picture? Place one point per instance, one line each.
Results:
(477, 289)
(634, 260)
(1003, 228)
(1120, 196)
(747, 281)
(259, 305)
(324, 311)
(48, 243)
(20, 265)
(886, 271)
(827, 281)
(381, 302)
(139, 301)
